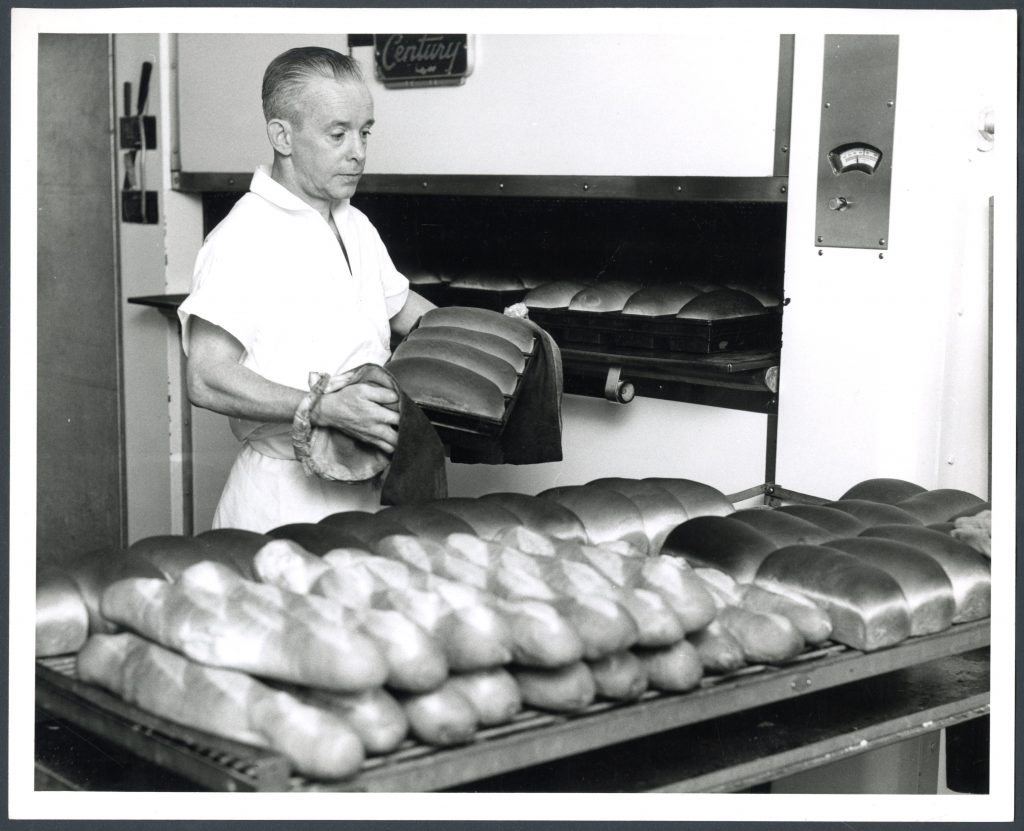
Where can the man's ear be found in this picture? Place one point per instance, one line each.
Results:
(279, 132)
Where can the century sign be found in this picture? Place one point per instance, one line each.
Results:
(422, 60)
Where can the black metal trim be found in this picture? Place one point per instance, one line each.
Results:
(784, 105)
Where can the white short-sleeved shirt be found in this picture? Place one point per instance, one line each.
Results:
(273, 275)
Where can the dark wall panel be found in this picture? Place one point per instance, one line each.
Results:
(79, 482)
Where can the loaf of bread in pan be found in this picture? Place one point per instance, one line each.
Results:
(542, 515)
(606, 296)
(498, 371)
(696, 498)
(482, 320)
(925, 584)
(554, 295)
(866, 605)
(445, 386)
(718, 542)
(660, 510)
(837, 523)
(721, 304)
(968, 571)
(889, 491)
(658, 301)
(488, 342)
(942, 505)
(781, 529)
(875, 513)
(606, 514)
(769, 298)
(223, 702)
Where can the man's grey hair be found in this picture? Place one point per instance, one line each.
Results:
(291, 70)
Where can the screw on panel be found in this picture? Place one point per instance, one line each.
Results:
(501, 186)
(785, 149)
(882, 241)
(821, 239)
(891, 104)
(423, 184)
(827, 105)
(586, 186)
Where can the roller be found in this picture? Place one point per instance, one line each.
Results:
(485, 341)
(717, 542)
(781, 529)
(607, 296)
(696, 498)
(485, 517)
(482, 320)
(661, 512)
(658, 301)
(541, 515)
(942, 505)
(968, 570)
(837, 523)
(494, 369)
(889, 491)
(924, 582)
(447, 386)
(606, 514)
(875, 513)
(867, 606)
(553, 295)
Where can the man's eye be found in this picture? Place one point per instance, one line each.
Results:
(366, 134)
(337, 136)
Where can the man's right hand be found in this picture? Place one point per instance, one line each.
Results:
(367, 412)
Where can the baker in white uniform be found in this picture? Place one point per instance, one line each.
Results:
(296, 280)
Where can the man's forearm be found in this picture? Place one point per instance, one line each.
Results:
(235, 390)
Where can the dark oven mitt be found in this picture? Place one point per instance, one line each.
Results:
(415, 472)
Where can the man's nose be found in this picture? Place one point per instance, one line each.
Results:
(357, 149)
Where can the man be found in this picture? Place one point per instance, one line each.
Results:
(296, 280)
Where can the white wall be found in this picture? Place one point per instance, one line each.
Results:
(885, 361)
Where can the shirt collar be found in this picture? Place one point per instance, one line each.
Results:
(263, 185)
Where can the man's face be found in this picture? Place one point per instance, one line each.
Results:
(329, 140)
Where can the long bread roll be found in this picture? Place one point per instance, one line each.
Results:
(541, 515)
(866, 605)
(875, 513)
(368, 528)
(889, 491)
(315, 537)
(696, 498)
(660, 510)
(566, 689)
(485, 341)
(606, 514)
(173, 553)
(94, 571)
(717, 542)
(607, 296)
(426, 521)
(501, 373)
(719, 651)
(493, 693)
(968, 571)
(781, 529)
(62, 619)
(810, 620)
(446, 386)
(766, 637)
(553, 295)
(837, 523)
(485, 517)
(942, 505)
(482, 320)
(925, 584)
(674, 668)
(223, 702)
(374, 715)
(234, 545)
(684, 592)
(658, 301)
(619, 677)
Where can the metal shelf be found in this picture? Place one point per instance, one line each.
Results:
(532, 739)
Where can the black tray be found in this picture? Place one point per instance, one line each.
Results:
(614, 330)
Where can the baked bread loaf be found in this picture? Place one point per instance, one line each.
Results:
(606, 514)
(95, 570)
(721, 304)
(449, 387)
(782, 529)
(487, 342)
(566, 689)
(171, 554)
(487, 281)
(542, 515)
(675, 668)
(810, 620)
(837, 523)
(553, 295)
(619, 677)
(62, 619)
(968, 571)
(942, 505)
(494, 369)
(696, 498)
(426, 521)
(660, 510)
(765, 637)
(768, 298)
(717, 542)
(493, 693)
(423, 277)
(482, 320)
(368, 528)
(889, 491)
(485, 517)
(659, 301)
(606, 296)
(223, 702)
(375, 716)
(875, 513)
(317, 538)
(235, 546)
(719, 651)
(866, 605)
(925, 585)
